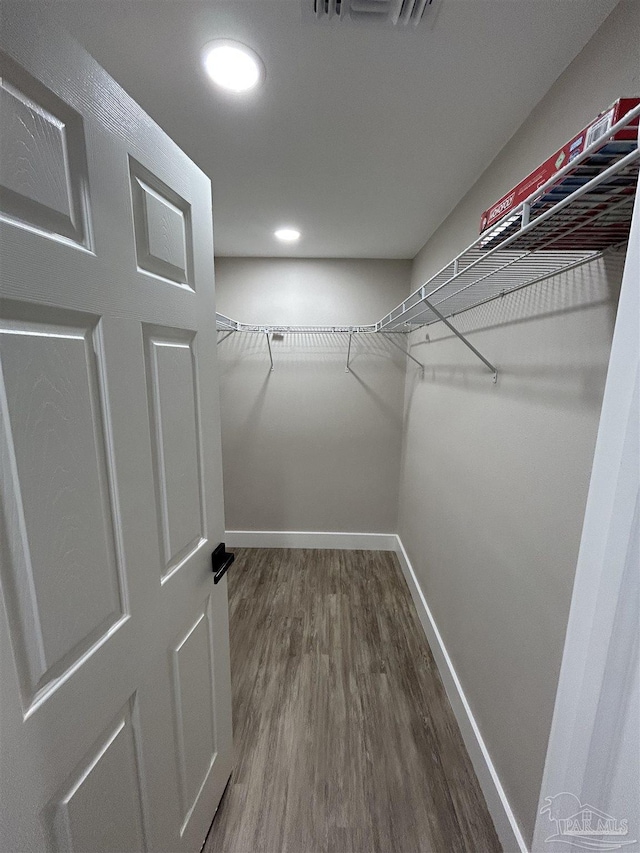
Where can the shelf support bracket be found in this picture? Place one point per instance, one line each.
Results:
(228, 335)
(458, 334)
(269, 346)
(405, 352)
(346, 370)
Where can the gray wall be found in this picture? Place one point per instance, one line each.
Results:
(495, 478)
(308, 446)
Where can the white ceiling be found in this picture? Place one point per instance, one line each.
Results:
(363, 136)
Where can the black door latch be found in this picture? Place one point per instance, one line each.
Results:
(220, 562)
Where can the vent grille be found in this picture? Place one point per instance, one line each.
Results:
(395, 12)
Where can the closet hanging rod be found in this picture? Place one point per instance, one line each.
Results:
(556, 229)
(528, 245)
(227, 324)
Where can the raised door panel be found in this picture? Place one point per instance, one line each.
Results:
(43, 171)
(194, 710)
(64, 572)
(175, 434)
(101, 806)
(162, 228)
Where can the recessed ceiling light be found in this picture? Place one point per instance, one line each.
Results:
(233, 66)
(287, 235)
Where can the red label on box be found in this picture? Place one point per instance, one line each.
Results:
(597, 129)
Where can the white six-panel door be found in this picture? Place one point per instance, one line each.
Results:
(115, 726)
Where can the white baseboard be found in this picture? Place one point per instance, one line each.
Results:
(503, 817)
(303, 539)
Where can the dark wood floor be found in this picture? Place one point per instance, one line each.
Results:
(345, 739)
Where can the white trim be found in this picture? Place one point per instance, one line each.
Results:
(310, 539)
(497, 802)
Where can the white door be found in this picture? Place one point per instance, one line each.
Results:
(115, 726)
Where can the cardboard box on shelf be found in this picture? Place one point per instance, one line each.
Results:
(597, 129)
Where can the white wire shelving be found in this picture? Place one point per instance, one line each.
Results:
(583, 210)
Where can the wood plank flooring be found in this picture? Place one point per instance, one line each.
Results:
(345, 739)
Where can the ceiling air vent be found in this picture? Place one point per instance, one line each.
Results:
(396, 12)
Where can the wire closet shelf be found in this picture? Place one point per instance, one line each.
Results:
(584, 209)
